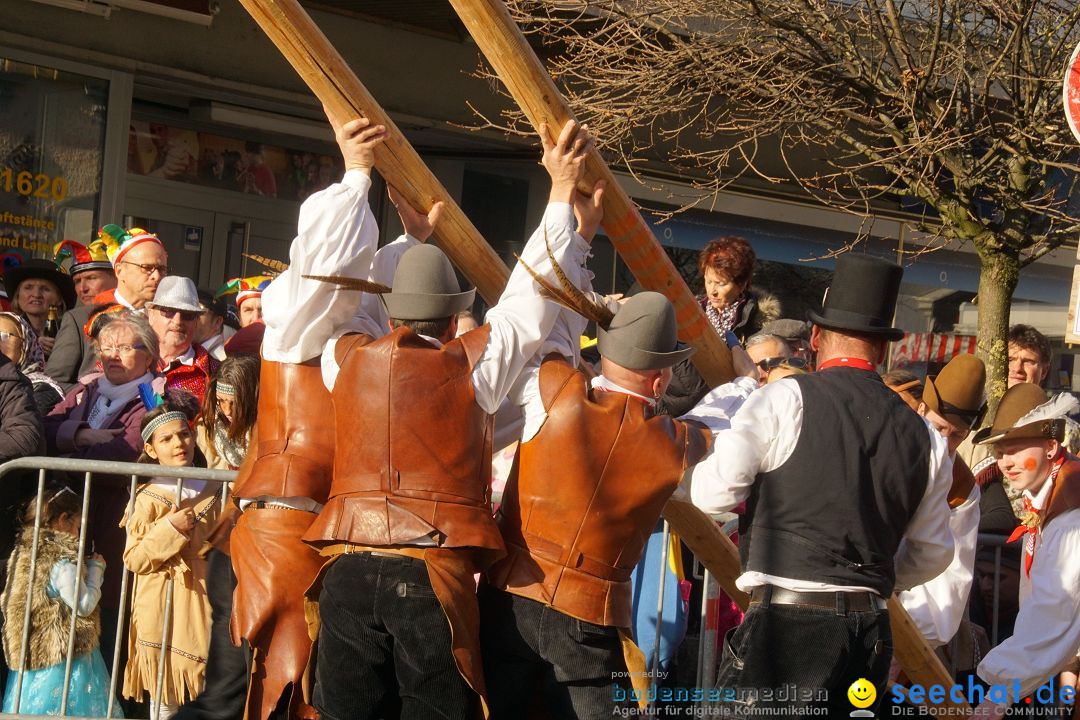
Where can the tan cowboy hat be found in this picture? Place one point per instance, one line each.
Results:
(1025, 413)
(956, 393)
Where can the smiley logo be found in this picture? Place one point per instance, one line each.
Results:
(862, 694)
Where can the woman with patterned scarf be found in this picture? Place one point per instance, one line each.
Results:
(22, 347)
(727, 265)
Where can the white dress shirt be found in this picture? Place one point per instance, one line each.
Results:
(1046, 634)
(937, 606)
(763, 434)
(337, 235)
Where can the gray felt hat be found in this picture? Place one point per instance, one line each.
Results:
(425, 287)
(643, 335)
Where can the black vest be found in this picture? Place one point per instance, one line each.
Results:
(836, 511)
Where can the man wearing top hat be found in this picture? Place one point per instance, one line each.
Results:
(408, 519)
(836, 473)
(952, 402)
(1026, 438)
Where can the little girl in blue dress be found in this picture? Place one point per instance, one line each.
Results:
(53, 593)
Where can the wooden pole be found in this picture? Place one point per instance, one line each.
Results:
(505, 47)
(502, 43)
(320, 65)
(324, 70)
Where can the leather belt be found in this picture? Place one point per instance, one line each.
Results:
(841, 602)
(270, 505)
(346, 548)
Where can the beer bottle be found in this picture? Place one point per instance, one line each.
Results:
(52, 324)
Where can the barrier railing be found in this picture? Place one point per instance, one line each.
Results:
(89, 468)
(708, 640)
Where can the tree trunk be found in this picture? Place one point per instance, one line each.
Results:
(999, 273)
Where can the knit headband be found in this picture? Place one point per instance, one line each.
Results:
(224, 388)
(148, 431)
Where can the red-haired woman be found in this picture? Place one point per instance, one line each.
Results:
(727, 264)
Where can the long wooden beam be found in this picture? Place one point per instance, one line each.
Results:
(513, 59)
(320, 65)
(307, 49)
(505, 47)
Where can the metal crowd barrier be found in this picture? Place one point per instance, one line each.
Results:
(88, 468)
(708, 639)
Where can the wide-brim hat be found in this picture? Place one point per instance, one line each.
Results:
(1025, 414)
(956, 393)
(177, 292)
(643, 335)
(862, 297)
(426, 287)
(44, 270)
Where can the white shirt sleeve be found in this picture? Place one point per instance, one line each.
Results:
(762, 436)
(720, 404)
(63, 581)
(371, 317)
(937, 606)
(337, 235)
(1047, 631)
(522, 321)
(927, 548)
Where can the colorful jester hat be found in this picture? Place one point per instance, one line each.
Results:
(118, 241)
(245, 288)
(83, 257)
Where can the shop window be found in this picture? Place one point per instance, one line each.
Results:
(52, 138)
(159, 150)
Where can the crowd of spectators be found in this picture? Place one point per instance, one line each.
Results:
(91, 351)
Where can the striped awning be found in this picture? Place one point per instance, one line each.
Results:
(918, 348)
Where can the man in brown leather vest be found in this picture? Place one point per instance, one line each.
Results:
(590, 486)
(407, 521)
(285, 480)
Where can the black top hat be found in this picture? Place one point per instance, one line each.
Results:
(862, 297)
(643, 335)
(44, 270)
(425, 287)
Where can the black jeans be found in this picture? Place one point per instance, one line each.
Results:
(806, 656)
(535, 655)
(384, 648)
(227, 666)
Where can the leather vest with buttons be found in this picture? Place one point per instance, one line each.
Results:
(413, 459)
(588, 491)
(292, 450)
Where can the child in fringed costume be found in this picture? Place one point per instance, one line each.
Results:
(166, 530)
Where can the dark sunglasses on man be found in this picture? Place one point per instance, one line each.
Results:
(772, 363)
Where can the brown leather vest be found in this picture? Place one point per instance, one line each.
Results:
(413, 458)
(293, 447)
(589, 489)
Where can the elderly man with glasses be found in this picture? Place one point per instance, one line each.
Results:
(140, 262)
(173, 314)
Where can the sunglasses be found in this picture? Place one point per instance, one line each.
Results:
(185, 315)
(774, 362)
